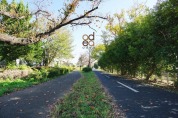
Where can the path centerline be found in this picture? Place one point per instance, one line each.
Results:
(127, 87)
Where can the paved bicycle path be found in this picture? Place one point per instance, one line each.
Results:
(139, 100)
(35, 102)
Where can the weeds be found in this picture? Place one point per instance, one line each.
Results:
(9, 85)
(87, 100)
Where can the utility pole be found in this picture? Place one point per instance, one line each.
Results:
(89, 58)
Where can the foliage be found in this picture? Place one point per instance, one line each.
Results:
(35, 54)
(95, 65)
(19, 28)
(97, 51)
(57, 71)
(87, 100)
(87, 69)
(147, 44)
(38, 76)
(82, 60)
(67, 17)
(20, 67)
(16, 27)
(58, 46)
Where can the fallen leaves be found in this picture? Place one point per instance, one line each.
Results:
(86, 98)
(40, 113)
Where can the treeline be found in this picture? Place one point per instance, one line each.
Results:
(42, 53)
(147, 44)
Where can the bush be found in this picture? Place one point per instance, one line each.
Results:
(53, 72)
(44, 72)
(48, 72)
(11, 66)
(23, 67)
(20, 67)
(87, 69)
(96, 66)
(36, 74)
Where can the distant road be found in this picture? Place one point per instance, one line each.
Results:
(34, 102)
(138, 100)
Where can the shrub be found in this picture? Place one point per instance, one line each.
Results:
(23, 67)
(11, 66)
(87, 69)
(54, 72)
(44, 72)
(36, 74)
(96, 66)
(65, 70)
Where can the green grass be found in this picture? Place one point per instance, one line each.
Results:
(37, 77)
(87, 100)
(8, 86)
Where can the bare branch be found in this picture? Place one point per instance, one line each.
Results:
(69, 22)
(14, 16)
(39, 11)
(75, 24)
(13, 40)
(70, 8)
(92, 28)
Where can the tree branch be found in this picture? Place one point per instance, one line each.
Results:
(63, 22)
(75, 24)
(69, 22)
(14, 16)
(13, 40)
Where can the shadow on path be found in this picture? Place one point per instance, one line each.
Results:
(34, 102)
(148, 102)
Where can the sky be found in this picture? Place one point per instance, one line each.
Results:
(106, 7)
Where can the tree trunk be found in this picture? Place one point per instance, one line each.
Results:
(123, 72)
(149, 74)
(117, 71)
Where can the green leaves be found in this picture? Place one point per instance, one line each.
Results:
(147, 44)
(58, 46)
(98, 51)
(17, 27)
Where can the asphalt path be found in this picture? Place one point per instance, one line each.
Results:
(139, 100)
(35, 102)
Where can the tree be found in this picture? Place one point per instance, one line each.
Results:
(17, 27)
(116, 23)
(66, 18)
(83, 60)
(35, 55)
(147, 44)
(97, 51)
(58, 46)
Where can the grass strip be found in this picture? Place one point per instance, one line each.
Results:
(87, 100)
(10, 85)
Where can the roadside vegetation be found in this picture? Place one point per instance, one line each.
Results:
(87, 100)
(22, 66)
(37, 76)
(145, 46)
(87, 69)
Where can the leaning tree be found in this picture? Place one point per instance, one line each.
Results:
(68, 16)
